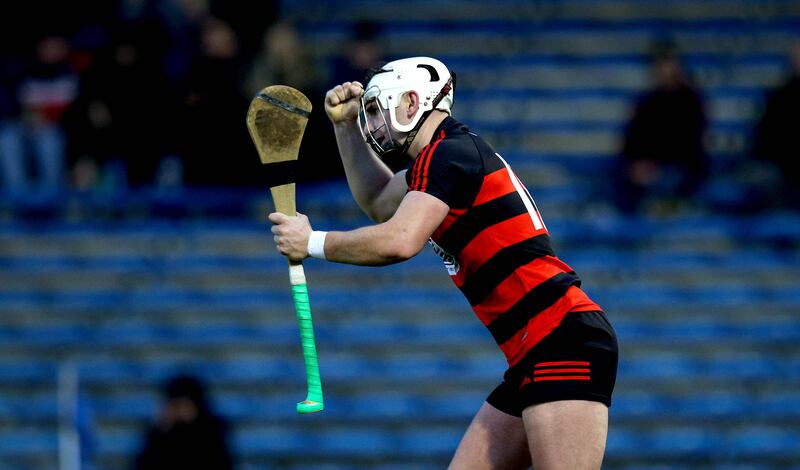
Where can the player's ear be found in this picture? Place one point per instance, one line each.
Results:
(412, 106)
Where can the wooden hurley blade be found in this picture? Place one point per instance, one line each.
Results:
(276, 120)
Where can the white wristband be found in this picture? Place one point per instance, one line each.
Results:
(316, 244)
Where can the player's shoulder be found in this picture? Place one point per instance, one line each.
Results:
(453, 141)
(451, 148)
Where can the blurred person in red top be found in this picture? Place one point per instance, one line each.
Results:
(32, 148)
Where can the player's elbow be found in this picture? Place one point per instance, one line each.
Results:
(379, 213)
(401, 247)
(407, 250)
(375, 215)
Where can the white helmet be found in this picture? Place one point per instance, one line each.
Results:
(428, 77)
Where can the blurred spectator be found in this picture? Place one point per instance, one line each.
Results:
(663, 155)
(362, 52)
(215, 145)
(32, 149)
(11, 73)
(187, 434)
(184, 20)
(284, 60)
(122, 117)
(249, 19)
(776, 139)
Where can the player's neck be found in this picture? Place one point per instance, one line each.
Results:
(425, 134)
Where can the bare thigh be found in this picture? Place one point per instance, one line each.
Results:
(567, 435)
(494, 440)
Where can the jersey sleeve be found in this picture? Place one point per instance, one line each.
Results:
(446, 173)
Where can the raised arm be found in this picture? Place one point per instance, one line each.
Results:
(376, 190)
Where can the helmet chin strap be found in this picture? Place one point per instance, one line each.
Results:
(413, 132)
(411, 135)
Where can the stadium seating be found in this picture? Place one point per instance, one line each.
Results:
(212, 300)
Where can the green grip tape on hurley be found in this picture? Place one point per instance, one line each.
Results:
(313, 401)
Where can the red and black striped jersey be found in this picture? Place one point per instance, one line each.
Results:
(493, 241)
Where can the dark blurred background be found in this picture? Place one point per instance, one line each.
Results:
(145, 316)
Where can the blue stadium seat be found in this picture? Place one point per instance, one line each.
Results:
(683, 442)
(758, 440)
(30, 408)
(20, 442)
(32, 371)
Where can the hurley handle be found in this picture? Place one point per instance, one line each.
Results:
(284, 198)
(313, 401)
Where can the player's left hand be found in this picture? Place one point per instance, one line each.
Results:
(291, 235)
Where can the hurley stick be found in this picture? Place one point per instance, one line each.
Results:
(276, 120)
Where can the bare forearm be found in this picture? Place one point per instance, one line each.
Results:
(367, 175)
(395, 240)
(376, 245)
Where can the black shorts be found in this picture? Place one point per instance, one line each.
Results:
(577, 361)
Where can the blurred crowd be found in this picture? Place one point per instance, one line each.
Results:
(144, 93)
(664, 157)
(127, 94)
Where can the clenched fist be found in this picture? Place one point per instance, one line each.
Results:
(343, 101)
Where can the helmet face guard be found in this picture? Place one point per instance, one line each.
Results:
(380, 137)
(428, 78)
